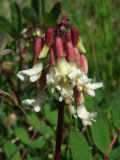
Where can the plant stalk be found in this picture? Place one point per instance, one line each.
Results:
(59, 131)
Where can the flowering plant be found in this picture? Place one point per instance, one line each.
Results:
(65, 72)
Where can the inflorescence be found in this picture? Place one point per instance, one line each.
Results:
(60, 63)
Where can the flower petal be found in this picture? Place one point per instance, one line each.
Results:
(95, 85)
(29, 101)
(44, 52)
(31, 74)
(35, 77)
(62, 66)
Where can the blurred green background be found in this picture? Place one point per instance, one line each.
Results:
(99, 24)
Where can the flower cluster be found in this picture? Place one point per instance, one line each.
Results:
(60, 63)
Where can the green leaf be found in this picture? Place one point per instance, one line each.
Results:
(48, 5)
(34, 120)
(37, 143)
(115, 153)
(16, 16)
(115, 105)
(52, 117)
(34, 158)
(6, 26)
(11, 151)
(53, 15)
(100, 132)
(22, 134)
(36, 6)
(56, 10)
(30, 15)
(79, 146)
(99, 95)
(46, 130)
(43, 129)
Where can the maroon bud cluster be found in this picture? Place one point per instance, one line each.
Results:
(59, 47)
(38, 47)
(75, 36)
(52, 57)
(78, 96)
(62, 41)
(49, 37)
(41, 83)
(70, 54)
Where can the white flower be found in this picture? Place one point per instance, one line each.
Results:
(53, 77)
(90, 87)
(63, 66)
(75, 72)
(32, 74)
(84, 84)
(65, 91)
(83, 114)
(36, 103)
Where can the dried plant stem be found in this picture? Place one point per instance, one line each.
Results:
(111, 145)
(59, 132)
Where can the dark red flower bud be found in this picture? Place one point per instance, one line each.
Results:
(42, 80)
(49, 36)
(78, 96)
(59, 47)
(38, 47)
(68, 37)
(75, 35)
(77, 57)
(52, 57)
(84, 63)
(70, 52)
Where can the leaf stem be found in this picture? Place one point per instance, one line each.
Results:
(111, 145)
(59, 131)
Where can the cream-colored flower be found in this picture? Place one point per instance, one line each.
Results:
(91, 87)
(83, 114)
(36, 103)
(65, 90)
(84, 84)
(32, 74)
(75, 72)
(63, 66)
(53, 78)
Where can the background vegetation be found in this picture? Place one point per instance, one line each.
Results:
(31, 136)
